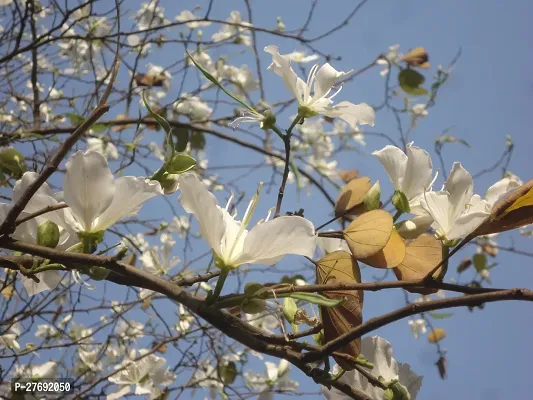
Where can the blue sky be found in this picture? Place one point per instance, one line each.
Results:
(489, 96)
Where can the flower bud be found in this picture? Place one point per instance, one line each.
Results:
(269, 121)
(289, 309)
(372, 197)
(399, 200)
(48, 234)
(227, 372)
(98, 273)
(253, 306)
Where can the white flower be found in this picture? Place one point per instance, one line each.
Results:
(418, 326)
(48, 370)
(46, 331)
(319, 83)
(300, 57)
(242, 78)
(329, 245)
(186, 320)
(379, 352)
(9, 338)
(264, 320)
(147, 374)
(129, 330)
(96, 199)
(419, 111)
(180, 225)
(206, 376)
(192, 20)
(411, 173)
(158, 260)
(107, 149)
(234, 31)
(455, 210)
(266, 243)
(276, 379)
(150, 15)
(391, 57)
(193, 107)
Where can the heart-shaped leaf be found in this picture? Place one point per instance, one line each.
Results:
(390, 256)
(351, 195)
(369, 233)
(337, 267)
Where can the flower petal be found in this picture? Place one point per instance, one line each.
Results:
(22, 184)
(437, 205)
(271, 240)
(395, 163)
(466, 224)
(353, 114)
(197, 200)
(281, 65)
(130, 194)
(325, 79)
(461, 187)
(88, 187)
(418, 172)
(500, 188)
(48, 280)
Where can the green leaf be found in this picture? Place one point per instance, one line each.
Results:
(182, 136)
(289, 309)
(410, 81)
(315, 299)
(75, 119)
(180, 163)
(160, 120)
(97, 128)
(440, 315)
(12, 162)
(480, 262)
(197, 140)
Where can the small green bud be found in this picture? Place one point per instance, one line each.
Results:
(319, 338)
(98, 273)
(252, 287)
(48, 234)
(281, 25)
(372, 197)
(289, 309)
(397, 392)
(169, 182)
(269, 121)
(253, 306)
(399, 199)
(227, 372)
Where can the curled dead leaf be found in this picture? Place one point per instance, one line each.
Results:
(351, 195)
(436, 335)
(337, 267)
(369, 233)
(150, 80)
(348, 175)
(417, 57)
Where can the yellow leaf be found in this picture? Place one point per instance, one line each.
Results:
(523, 201)
(369, 233)
(390, 256)
(436, 335)
(351, 195)
(336, 267)
(418, 57)
(421, 256)
(8, 291)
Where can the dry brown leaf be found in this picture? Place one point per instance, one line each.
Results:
(417, 57)
(351, 195)
(341, 266)
(421, 256)
(348, 175)
(390, 256)
(369, 233)
(150, 80)
(436, 335)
